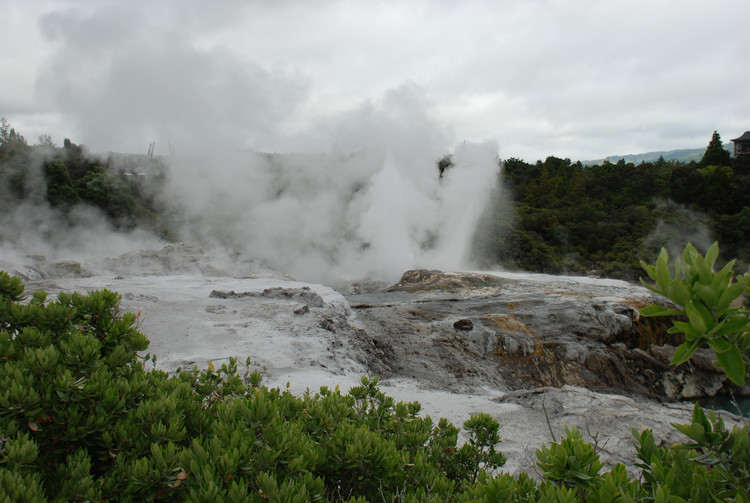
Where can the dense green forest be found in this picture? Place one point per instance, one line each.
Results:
(563, 217)
(570, 218)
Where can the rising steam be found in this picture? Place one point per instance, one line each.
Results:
(319, 217)
(355, 194)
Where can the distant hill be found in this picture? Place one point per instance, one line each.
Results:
(681, 155)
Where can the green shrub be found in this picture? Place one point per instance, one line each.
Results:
(82, 420)
(706, 304)
(714, 466)
(572, 462)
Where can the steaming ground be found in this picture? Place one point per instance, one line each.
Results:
(374, 212)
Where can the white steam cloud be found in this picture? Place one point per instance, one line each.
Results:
(373, 212)
(355, 195)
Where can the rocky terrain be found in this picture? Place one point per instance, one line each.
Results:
(538, 352)
(506, 331)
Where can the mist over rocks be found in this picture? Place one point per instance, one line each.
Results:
(357, 195)
(37, 267)
(182, 258)
(172, 258)
(423, 280)
(302, 295)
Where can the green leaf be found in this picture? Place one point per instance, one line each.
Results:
(699, 417)
(728, 296)
(655, 310)
(712, 254)
(733, 364)
(700, 317)
(688, 255)
(649, 270)
(663, 277)
(685, 352)
(721, 279)
(706, 294)
(704, 269)
(690, 332)
(720, 345)
(693, 431)
(678, 292)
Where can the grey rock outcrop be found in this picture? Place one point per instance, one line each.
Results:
(529, 331)
(304, 295)
(38, 267)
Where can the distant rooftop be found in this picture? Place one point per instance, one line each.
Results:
(742, 144)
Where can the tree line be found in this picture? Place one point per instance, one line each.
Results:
(569, 218)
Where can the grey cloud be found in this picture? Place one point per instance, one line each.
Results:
(535, 67)
(125, 81)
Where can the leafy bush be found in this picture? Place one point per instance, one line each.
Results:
(706, 302)
(81, 419)
(572, 462)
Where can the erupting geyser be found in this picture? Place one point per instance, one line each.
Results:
(323, 217)
(385, 224)
(464, 194)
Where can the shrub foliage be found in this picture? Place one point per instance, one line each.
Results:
(84, 417)
(706, 302)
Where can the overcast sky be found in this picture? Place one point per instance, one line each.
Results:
(575, 78)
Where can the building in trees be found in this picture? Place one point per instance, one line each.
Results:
(742, 144)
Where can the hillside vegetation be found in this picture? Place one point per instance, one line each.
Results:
(570, 218)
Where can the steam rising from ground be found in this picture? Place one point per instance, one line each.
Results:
(346, 216)
(679, 225)
(363, 200)
(31, 227)
(372, 206)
